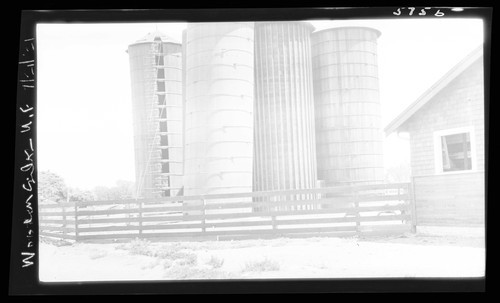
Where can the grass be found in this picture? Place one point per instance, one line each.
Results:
(178, 260)
(168, 254)
(215, 262)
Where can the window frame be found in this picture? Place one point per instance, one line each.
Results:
(438, 157)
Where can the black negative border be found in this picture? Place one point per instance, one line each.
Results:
(24, 282)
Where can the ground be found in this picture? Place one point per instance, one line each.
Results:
(431, 252)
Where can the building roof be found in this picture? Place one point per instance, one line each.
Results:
(398, 122)
(150, 37)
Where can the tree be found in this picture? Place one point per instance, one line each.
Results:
(122, 190)
(51, 188)
(80, 195)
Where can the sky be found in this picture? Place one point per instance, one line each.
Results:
(84, 105)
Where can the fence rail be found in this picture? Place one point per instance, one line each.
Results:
(367, 209)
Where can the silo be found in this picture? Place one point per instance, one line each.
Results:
(219, 107)
(347, 107)
(285, 151)
(156, 76)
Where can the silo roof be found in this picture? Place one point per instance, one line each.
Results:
(300, 22)
(150, 37)
(348, 27)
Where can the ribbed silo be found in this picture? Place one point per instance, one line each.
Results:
(347, 107)
(156, 76)
(285, 151)
(219, 108)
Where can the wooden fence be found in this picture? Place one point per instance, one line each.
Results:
(365, 210)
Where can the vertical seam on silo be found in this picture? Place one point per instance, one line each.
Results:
(279, 111)
(282, 101)
(262, 172)
(274, 155)
(310, 94)
(305, 131)
(286, 102)
(307, 174)
(303, 126)
(260, 34)
(266, 55)
(183, 103)
(340, 105)
(256, 125)
(293, 110)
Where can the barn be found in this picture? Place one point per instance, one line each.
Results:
(447, 153)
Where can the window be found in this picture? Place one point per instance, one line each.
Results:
(454, 150)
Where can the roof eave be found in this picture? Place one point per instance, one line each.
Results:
(400, 120)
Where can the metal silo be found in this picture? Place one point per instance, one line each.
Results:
(219, 107)
(285, 151)
(347, 106)
(156, 75)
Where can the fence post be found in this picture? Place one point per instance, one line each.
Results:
(271, 209)
(140, 218)
(413, 206)
(64, 220)
(203, 223)
(356, 206)
(76, 221)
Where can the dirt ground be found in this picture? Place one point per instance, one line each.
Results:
(431, 252)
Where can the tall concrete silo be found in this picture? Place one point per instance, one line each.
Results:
(285, 151)
(347, 106)
(156, 75)
(219, 107)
